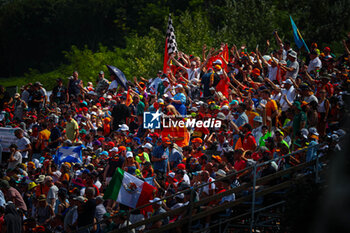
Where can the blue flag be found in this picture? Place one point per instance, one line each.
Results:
(72, 154)
(299, 41)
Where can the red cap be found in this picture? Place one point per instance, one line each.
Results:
(181, 166)
(197, 140)
(327, 49)
(101, 139)
(111, 144)
(121, 148)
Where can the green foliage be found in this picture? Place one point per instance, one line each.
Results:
(130, 34)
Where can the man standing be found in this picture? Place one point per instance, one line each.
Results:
(75, 85)
(315, 63)
(11, 194)
(120, 114)
(52, 195)
(72, 127)
(23, 143)
(59, 93)
(160, 158)
(293, 67)
(102, 84)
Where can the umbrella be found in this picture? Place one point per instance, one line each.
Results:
(120, 77)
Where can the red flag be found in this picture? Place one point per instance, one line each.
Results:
(166, 57)
(225, 55)
(128, 98)
(170, 44)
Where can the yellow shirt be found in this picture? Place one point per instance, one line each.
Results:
(43, 138)
(71, 129)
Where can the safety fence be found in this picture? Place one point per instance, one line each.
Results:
(310, 168)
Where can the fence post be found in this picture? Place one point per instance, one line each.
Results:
(252, 222)
(191, 209)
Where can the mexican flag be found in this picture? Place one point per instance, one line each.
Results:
(129, 190)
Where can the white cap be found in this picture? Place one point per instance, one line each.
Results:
(178, 85)
(221, 172)
(225, 107)
(114, 149)
(166, 80)
(109, 97)
(194, 109)
(171, 174)
(156, 200)
(313, 131)
(218, 62)
(148, 146)
(161, 101)
(124, 127)
(180, 195)
(288, 81)
(129, 154)
(304, 132)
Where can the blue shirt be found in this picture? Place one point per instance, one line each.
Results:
(181, 97)
(175, 157)
(158, 152)
(242, 119)
(311, 153)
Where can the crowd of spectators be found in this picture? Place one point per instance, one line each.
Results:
(268, 106)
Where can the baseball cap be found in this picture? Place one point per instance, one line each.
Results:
(221, 116)
(114, 149)
(129, 154)
(313, 131)
(288, 81)
(147, 146)
(123, 127)
(156, 201)
(101, 72)
(258, 119)
(217, 62)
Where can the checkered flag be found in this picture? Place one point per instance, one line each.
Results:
(170, 37)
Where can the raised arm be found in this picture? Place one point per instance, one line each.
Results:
(272, 84)
(179, 64)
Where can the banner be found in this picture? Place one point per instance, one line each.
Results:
(7, 137)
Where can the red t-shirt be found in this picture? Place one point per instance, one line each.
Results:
(240, 165)
(223, 85)
(249, 142)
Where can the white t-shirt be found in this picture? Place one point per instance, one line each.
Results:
(309, 99)
(154, 84)
(208, 187)
(18, 159)
(290, 96)
(293, 74)
(314, 64)
(22, 144)
(193, 73)
(113, 85)
(272, 72)
(53, 193)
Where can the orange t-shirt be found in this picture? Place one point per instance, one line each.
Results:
(177, 132)
(271, 107)
(251, 115)
(41, 189)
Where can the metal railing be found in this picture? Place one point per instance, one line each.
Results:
(190, 218)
